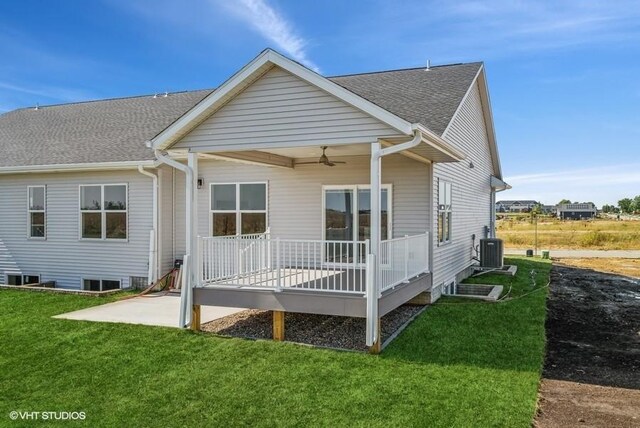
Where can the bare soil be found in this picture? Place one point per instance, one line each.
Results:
(620, 266)
(592, 367)
(318, 330)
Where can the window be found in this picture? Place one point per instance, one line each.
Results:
(238, 208)
(36, 208)
(444, 211)
(19, 279)
(100, 284)
(103, 211)
(341, 203)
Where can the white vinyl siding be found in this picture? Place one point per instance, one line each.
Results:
(295, 196)
(63, 257)
(471, 195)
(280, 109)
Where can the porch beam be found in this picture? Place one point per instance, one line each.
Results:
(253, 157)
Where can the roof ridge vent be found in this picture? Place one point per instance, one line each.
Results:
(166, 94)
(37, 107)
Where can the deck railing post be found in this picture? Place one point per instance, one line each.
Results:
(406, 258)
(199, 270)
(278, 267)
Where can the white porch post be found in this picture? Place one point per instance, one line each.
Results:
(373, 333)
(192, 161)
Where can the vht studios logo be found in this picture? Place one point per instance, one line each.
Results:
(47, 416)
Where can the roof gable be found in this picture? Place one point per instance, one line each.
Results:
(279, 108)
(253, 71)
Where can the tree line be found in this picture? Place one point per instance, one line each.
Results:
(625, 205)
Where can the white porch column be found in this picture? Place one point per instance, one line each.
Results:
(192, 228)
(373, 286)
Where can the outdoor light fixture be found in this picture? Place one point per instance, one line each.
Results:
(200, 183)
(471, 165)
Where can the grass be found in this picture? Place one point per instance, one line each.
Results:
(470, 364)
(519, 232)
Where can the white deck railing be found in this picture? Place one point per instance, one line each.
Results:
(402, 259)
(263, 262)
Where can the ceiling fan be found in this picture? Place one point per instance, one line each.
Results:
(323, 160)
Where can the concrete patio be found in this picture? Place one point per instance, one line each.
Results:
(153, 309)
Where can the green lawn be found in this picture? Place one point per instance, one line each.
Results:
(459, 364)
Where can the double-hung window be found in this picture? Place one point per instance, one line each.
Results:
(37, 211)
(238, 208)
(444, 211)
(103, 211)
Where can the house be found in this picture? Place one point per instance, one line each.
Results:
(576, 211)
(515, 206)
(281, 189)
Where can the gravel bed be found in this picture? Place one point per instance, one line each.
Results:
(318, 330)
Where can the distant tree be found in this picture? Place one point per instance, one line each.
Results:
(606, 208)
(564, 201)
(626, 205)
(636, 204)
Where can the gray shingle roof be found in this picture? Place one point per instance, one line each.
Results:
(111, 130)
(116, 130)
(418, 96)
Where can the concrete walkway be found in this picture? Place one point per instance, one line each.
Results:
(158, 310)
(580, 254)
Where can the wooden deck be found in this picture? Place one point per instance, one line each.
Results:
(308, 296)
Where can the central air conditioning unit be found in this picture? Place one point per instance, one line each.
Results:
(491, 253)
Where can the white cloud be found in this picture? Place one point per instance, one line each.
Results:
(273, 26)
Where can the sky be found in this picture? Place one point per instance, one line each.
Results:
(563, 75)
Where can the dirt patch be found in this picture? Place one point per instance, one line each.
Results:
(627, 267)
(593, 328)
(567, 404)
(318, 330)
(592, 367)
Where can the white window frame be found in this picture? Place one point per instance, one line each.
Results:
(30, 211)
(21, 275)
(103, 212)
(356, 208)
(90, 278)
(238, 211)
(448, 213)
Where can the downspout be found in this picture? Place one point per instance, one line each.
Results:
(373, 262)
(153, 245)
(186, 296)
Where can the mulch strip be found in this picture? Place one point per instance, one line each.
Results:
(317, 330)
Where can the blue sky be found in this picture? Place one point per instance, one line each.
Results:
(564, 76)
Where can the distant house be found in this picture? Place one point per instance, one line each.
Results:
(548, 209)
(515, 206)
(576, 211)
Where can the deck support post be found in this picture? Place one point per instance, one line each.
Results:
(376, 348)
(196, 318)
(278, 326)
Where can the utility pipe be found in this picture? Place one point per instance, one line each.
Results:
(153, 251)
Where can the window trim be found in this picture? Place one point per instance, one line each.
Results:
(238, 211)
(30, 211)
(103, 212)
(89, 278)
(439, 211)
(355, 188)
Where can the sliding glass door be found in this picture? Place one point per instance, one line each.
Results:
(347, 217)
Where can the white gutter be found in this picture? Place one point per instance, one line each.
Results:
(77, 167)
(417, 139)
(153, 240)
(186, 296)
